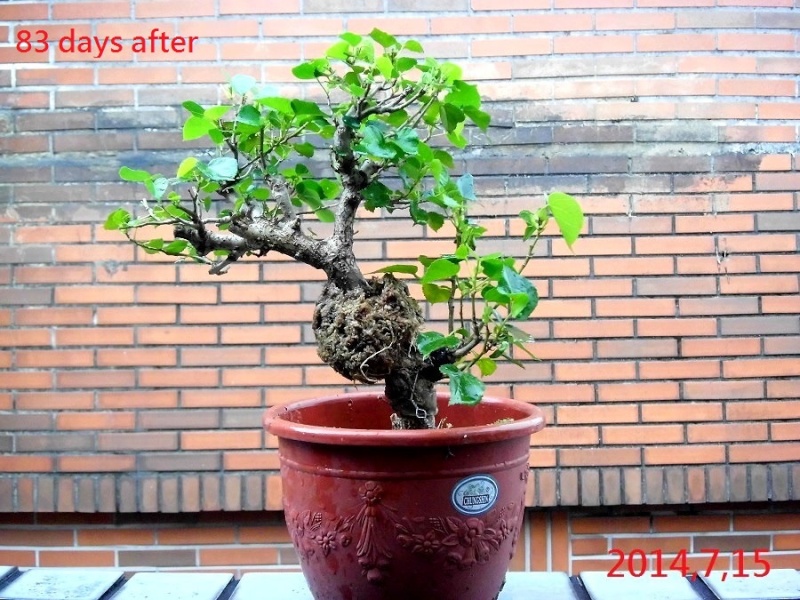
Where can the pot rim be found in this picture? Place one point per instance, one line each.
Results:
(276, 423)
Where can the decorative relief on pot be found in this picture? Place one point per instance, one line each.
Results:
(314, 532)
(475, 495)
(376, 528)
(461, 543)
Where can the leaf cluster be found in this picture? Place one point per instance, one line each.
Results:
(384, 132)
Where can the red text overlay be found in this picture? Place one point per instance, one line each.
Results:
(636, 563)
(156, 41)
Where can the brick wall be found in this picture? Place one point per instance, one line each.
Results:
(669, 339)
(571, 540)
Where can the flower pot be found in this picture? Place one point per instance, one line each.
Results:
(380, 514)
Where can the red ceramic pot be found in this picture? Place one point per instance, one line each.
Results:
(377, 514)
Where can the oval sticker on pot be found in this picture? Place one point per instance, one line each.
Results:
(474, 495)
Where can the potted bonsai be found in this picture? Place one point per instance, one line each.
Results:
(408, 492)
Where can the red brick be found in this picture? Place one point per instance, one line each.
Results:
(642, 434)
(232, 557)
(61, 400)
(95, 379)
(599, 371)
(599, 457)
(762, 453)
(118, 536)
(772, 42)
(761, 87)
(747, 411)
(727, 432)
(184, 294)
(200, 536)
(754, 367)
(96, 464)
(248, 461)
(107, 294)
(132, 315)
(684, 455)
(165, 8)
(622, 413)
(221, 440)
(272, 334)
(683, 411)
(179, 377)
(683, 369)
(637, 392)
(675, 42)
(169, 335)
(22, 463)
(593, 44)
(77, 558)
(54, 358)
(676, 327)
(247, 7)
(90, 421)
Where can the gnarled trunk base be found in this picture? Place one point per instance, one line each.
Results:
(368, 334)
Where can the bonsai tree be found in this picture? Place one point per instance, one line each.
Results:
(291, 176)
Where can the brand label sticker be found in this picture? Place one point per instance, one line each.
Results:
(475, 495)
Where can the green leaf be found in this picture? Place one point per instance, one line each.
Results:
(384, 66)
(339, 50)
(305, 149)
(444, 157)
(306, 70)
(456, 138)
(397, 118)
(477, 116)
(194, 108)
(465, 388)
(466, 185)
(214, 113)
(404, 63)
(487, 366)
(430, 341)
(153, 246)
(216, 135)
(451, 116)
(129, 174)
(351, 38)
(522, 293)
(408, 140)
(187, 166)
(249, 115)
(282, 105)
(241, 84)
(303, 107)
(223, 168)
(440, 269)
(384, 39)
(413, 46)
(157, 186)
(464, 94)
(436, 293)
(434, 220)
(175, 247)
(325, 215)
(567, 214)
(408, 269)
(377, 195)
(451, 71)
(373, 142)
(117, 219)
(330, 189)
(196, 127)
